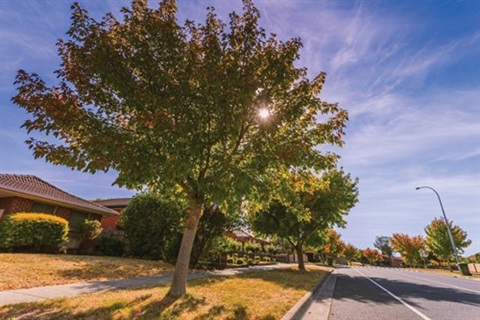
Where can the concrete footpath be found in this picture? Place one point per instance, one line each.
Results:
(69, 290)
(315, 305)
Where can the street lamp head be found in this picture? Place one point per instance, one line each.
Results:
(417, 188)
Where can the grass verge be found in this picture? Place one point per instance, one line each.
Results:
(258, 295)
(32, 270)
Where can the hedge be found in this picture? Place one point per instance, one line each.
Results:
(33, 232)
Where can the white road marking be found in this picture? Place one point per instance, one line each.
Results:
(437, 282)
(421, 315)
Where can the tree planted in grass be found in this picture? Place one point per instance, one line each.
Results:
(409, 247)
(169, 106)
(312, 205)
(438, 241)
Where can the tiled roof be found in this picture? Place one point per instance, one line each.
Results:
(114, 203)
(30, 185)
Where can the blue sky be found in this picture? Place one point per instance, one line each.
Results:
(408, 72)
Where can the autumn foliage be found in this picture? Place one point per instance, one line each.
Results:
(372, 255)
(408, 246)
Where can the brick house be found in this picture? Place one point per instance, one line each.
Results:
(28, 193)
(111, 222)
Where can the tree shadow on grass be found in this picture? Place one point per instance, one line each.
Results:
(286, 278)
(139, 308)
(55, 309)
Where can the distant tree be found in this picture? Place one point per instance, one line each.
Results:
(214, 110)
(409, 247)
(349, 252)
(382, 243)
(332, 245)
(438, 241)
(315, 205)
(372, 255)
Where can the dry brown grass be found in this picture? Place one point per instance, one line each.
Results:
(260, 295)
(33, 270)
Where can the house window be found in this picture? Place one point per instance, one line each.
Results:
(42, 208)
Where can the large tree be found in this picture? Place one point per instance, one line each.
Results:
(211, 109)
(313, 205)
(438, 241)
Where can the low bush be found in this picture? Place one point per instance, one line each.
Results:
(33, 232)
(110, 247)
(85, 232)
(266, 259)
(250, 262)
(230, 261)
(251, 247)
(240, 261)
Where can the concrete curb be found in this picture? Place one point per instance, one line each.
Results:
(299, 309)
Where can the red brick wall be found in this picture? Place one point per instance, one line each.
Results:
(15, 204)
(63, 213)
(110, 223)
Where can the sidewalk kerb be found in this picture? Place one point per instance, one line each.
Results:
(299, 309)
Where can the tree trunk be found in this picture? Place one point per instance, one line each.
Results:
(301, 261)
(178, 287)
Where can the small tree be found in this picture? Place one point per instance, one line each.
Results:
(349, 252)
(382, 243)
(313, 205)
(438, 241)
(409, 247)
(372, 255)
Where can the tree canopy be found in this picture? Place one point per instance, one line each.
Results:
(171, 105)
(315, 204)
(408, 246)
(438, 241)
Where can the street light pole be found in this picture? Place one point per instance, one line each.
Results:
(448, 227)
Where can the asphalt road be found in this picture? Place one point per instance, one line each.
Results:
(383, 293)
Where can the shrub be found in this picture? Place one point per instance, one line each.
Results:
(85, 232)
(250, 262)
(110, 247)
(240, 261)
(33, 232)
(230, 261)
(257, 258)
(266, 259)
(252, 247)
(153, 227)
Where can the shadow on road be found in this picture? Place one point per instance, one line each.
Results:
(361, 289)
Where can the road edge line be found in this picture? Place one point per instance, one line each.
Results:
(395, 297)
